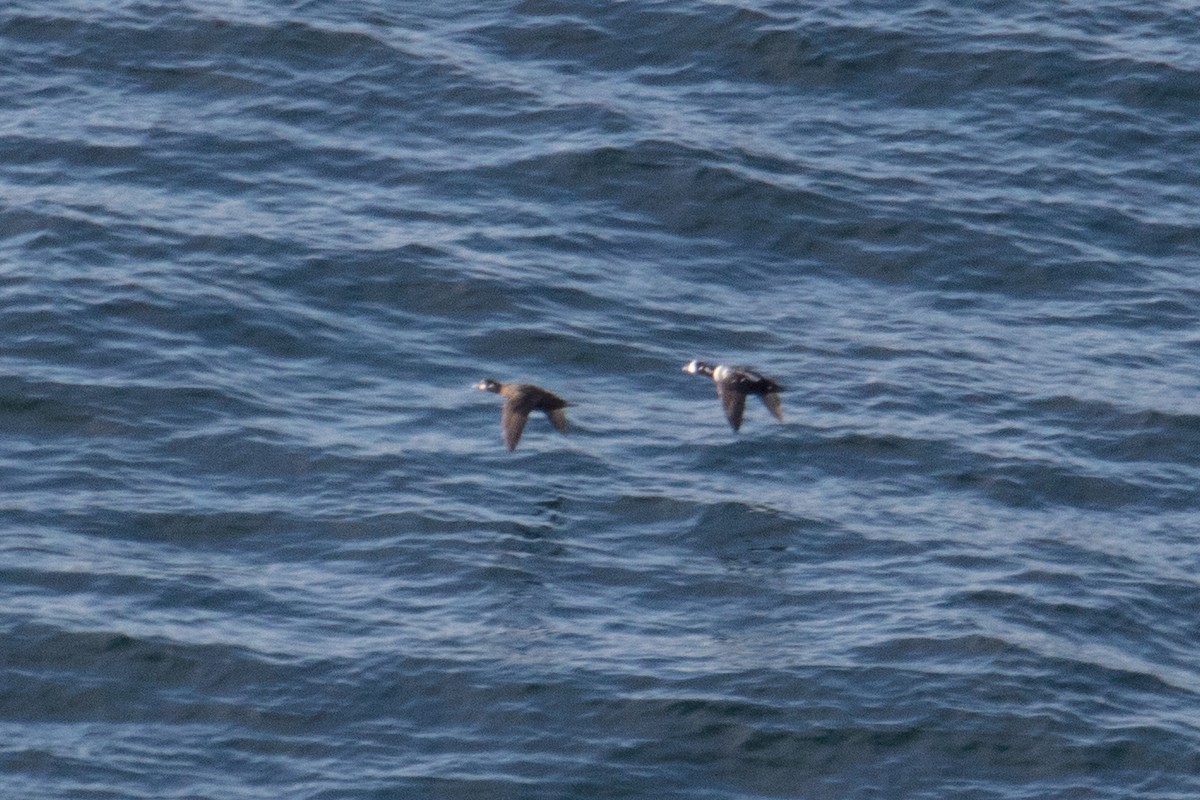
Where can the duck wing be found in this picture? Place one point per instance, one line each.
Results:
(771, 401)
(558, 418)
(734, 403)
(512, 422)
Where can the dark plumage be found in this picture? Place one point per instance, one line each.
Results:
(734, 383)
(519, 400)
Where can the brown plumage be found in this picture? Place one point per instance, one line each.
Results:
(520, 399)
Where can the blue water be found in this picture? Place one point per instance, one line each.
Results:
(260, 538)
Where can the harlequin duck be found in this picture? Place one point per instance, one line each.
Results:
(734, 383)
(519, 400)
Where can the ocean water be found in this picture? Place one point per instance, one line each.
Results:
(260, 538)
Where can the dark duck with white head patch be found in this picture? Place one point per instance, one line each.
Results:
(520, 399)
(734, 384)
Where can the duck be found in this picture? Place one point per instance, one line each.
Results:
(519, 400)
(734, 384)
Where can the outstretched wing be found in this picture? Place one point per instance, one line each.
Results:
(512, 422)
(771, 401)
(734, 403)
(558, 418)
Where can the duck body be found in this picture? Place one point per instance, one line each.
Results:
(735, 384)
(520, 400)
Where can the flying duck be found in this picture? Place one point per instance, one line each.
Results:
(519, 400)
(734, 383)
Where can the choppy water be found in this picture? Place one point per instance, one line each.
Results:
(260, 538)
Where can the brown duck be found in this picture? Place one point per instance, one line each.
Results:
(519, 400)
